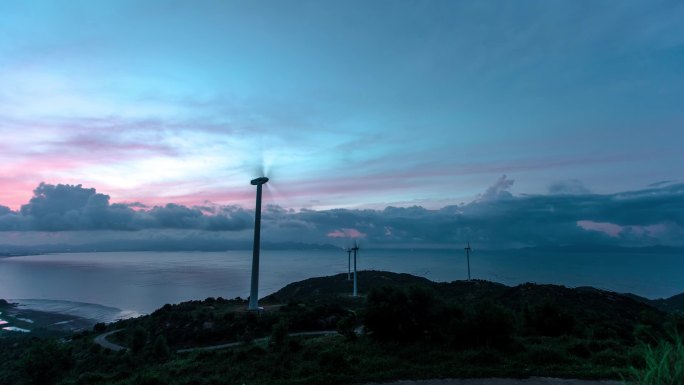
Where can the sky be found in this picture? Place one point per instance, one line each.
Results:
(398, 122)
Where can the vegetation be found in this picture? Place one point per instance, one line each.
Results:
(663, 362)
(406, 327)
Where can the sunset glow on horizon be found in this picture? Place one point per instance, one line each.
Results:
(344, 104)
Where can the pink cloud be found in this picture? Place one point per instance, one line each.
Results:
(613, 230)
(610, 229)
(346, 233)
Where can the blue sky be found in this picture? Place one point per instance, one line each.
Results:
(346, 104)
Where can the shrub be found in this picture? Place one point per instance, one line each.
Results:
(346, 327)
(610, 357)
(279, 336)
(483, 357)
(489, 325)
(152, 378)
(100, 327)
(160, 349)
(332, 361)
(138, 339)
(44, 363)
(663, 363)
(549, 320)
(90, 378)
(579, 349)
(387, 315)
(392, 314)
(546, 355)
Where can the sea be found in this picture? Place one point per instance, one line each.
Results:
(106, 286)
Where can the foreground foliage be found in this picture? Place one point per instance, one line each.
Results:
(411, 329)
(663, 362)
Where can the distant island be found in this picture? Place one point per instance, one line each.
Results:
(9, 250)
(403, 326)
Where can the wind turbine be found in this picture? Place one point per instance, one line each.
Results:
(355, 249)
(254, 292)
(468, 250)
(349, 250)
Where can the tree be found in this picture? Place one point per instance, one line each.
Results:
(138, 339)
(393, 314)
(549, 320)
(45, 362)
(160, 349)
(346, 327)
(490, 325)
(278, 338)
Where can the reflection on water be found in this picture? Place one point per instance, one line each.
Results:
(15, 329)
(98, 313)
(140, 282)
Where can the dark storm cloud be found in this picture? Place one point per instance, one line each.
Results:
(498, 190)
(4, 210)
(496, 219)
(73, 207)
(499, 219)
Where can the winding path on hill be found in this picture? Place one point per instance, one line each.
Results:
(102, 341)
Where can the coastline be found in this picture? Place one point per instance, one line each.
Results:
(18, 317)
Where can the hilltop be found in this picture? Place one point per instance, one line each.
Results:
(469, 293)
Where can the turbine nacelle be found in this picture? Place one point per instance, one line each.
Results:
(259, 181)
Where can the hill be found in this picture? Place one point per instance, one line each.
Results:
(589, 304)
(412, 328)
(674, 304)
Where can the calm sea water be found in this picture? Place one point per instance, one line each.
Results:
(111, 285)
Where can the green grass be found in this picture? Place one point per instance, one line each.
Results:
(663, 362)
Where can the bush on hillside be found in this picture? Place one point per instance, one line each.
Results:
(663, 363)
(549, 320)
(489, 325)
(138, 339)
(45, 362)
(392, 314)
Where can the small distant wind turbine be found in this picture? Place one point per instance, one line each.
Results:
(349, 250)
(468, 250)
(254, 292)
(355, 249)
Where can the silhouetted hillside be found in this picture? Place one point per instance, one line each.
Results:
(466, 292)
(674, 304)
(322, 288)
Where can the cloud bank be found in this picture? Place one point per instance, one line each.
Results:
(66, 207)
(496, 219)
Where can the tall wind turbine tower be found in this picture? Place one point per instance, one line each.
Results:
(468, 250)
(355, 249)
(349, 250)
(254, 292)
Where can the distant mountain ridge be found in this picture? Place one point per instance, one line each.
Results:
(674, 304)
(167, 245)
